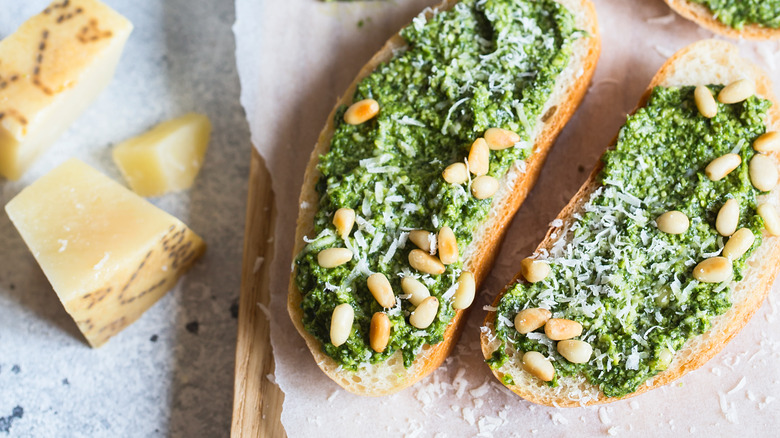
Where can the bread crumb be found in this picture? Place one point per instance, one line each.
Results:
(662, 20)
(664, 51)
(265, 310)
(557, 418)
(603, 416)
(258, 264)
(739, 386)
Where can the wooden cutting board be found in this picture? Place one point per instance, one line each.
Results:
(257, 402)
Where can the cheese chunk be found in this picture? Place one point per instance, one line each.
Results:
(108, 253)
(167, 158)
(51, 69)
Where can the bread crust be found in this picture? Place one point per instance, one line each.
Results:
(390, 377)
(702, 63)
(702, 15)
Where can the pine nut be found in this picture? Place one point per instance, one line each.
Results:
(763, 173)
(380, 332)
(560, 329)
(344, 219)
(341, 324)
(467, 289)
(538, 365)
(665, 358)
(575, 351)
(528, 320)
(423, 239)
(483, 187)
(722, 166)
(381, 289)
(534, 270)
(456, 173)
(771, 221)
(713, 270)
(705, 102)
(739, 243)
(498, 139)
(332, 257)
(767, 142)
(728, 218)
(448, 246)
(425, 313)
(673, 222)
(424, 262)
(479, 157)
(362, 111)
(415, 289)
(737, 91)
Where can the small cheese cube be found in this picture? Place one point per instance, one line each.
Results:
(108, 253)
(167, 158)
(51, 69)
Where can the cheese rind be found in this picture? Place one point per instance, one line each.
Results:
(167, 158)
(51, 69)
(108, 253)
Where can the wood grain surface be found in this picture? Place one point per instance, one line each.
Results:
(257, 402)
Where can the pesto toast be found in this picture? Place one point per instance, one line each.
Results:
(663, 254)
(753, 19)
(423, 162)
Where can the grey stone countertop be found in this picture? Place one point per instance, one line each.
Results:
(171, 372)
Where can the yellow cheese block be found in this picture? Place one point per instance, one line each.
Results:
(167, 158)
(51, 69)
(108, 253)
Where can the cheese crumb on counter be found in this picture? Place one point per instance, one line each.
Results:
(167, 158)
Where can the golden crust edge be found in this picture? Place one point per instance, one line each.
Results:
(725, 326)
(485, 253)
(702, 16)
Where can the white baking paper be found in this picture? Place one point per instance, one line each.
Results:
(296, 57)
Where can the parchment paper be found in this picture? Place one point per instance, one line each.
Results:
(295, 58)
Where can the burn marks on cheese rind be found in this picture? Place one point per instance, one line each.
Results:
(179, 251)
(92, 33)
(38, 65)
(96, 297)
(147, 291)
(132, 279)
(62, 11)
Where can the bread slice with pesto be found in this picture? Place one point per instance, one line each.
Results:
(731, 22)
(629, 303)
(489, 80)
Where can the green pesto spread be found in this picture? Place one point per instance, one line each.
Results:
(629, 284)
(481, 64)
(738, 13)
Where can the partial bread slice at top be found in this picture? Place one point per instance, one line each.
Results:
(570, 87)
(702, 63)
(702, 15)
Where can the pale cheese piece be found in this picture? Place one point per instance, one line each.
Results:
(108, 253)
(167, 158)
(51, 69)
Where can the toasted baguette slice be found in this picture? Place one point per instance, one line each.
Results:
(391, 376)
(702, 15)
(702, 63)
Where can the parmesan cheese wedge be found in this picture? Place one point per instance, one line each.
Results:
(51, 69)
(108, 253)
(167, 158)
